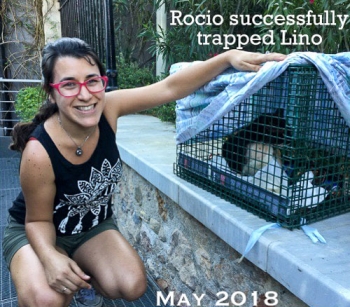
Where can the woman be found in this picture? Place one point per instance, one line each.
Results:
(61, 238)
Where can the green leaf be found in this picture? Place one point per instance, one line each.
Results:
(28, 102)
(340, 2)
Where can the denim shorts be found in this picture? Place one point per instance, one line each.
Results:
(15, 238)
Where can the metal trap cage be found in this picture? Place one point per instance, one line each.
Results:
(282, 154)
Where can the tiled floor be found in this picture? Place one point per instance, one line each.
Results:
(9, 188)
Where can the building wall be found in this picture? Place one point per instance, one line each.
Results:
(52, 25)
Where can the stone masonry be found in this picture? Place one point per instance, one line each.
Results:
(186, 259)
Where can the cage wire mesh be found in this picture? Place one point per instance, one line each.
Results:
(282, 154)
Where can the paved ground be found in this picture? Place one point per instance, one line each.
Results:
(9, 188)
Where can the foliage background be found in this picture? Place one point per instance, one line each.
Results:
(179, 43)
(334, 40)
(138, 41)
(28, 102)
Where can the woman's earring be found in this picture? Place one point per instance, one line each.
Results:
(50, 99)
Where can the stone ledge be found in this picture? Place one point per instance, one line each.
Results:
(316, 273)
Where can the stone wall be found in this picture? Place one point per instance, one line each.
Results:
(184, 256)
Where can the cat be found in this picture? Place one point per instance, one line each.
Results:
(257, 157)
(268, 129)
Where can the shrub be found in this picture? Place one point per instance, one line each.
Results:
(165, 113)
(130, 75)
(180, 43)
(334, 40)
(28, 102)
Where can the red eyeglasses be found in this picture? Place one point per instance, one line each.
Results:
(71, 88)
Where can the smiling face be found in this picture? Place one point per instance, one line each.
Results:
(85, 109)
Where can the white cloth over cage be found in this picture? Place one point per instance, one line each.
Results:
(227, 91)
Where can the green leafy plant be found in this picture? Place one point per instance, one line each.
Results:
(130, 75)
(28, 102)
(129, 16)
(334, 40)
(180, 42)
(165, 113)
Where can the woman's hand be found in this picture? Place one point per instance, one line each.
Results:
(250, 61)
(64, 275)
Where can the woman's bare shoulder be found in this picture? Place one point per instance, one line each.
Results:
(36, 164)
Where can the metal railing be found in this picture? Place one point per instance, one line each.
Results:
(8, 93)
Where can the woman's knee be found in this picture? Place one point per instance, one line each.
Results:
(43, 299)
(134, 288)
(130, 289)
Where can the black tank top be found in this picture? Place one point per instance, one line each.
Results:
(84, 191)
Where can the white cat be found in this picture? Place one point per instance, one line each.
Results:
(258, 156)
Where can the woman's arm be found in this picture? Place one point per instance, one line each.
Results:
(183, 82)
(38, 185)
